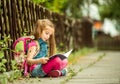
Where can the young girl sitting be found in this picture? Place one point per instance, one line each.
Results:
(38, 51)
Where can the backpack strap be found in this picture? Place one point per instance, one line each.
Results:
(27, 42)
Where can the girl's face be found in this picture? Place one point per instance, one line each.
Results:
(46, 33)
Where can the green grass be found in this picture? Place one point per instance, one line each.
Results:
(75, 56)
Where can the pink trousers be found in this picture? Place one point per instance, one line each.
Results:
(54, 64)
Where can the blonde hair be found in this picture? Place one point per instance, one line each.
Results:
(39, 27)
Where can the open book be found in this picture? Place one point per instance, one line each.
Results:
(62, 56)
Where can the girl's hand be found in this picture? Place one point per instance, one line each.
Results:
(44, 60)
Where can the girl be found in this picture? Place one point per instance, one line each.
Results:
(38, 51)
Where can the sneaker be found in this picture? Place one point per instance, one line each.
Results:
(63, 72)
(54, 73)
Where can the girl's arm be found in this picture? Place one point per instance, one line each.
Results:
(30, 55)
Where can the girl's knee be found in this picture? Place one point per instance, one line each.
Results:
(57, 60)
(61, 63)
(64, 63)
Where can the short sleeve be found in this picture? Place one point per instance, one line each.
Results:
(32, 43)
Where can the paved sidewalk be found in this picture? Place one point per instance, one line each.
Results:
(98, 68)
(105, 71)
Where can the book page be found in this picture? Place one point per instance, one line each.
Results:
(62, 56)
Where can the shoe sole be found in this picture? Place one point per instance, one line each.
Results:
(54, 73)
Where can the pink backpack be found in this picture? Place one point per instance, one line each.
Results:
(20, 47)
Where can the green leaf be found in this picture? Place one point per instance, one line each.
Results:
(4, 61)
(1, 54)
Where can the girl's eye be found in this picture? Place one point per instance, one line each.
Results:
(47, 32)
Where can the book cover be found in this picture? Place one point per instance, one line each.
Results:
(62, 56)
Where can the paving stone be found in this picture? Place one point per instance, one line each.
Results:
(105, 71)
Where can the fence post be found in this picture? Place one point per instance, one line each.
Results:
(13, 11)
(87, 32)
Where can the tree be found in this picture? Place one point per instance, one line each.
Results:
(53, 5)
(110, 9)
